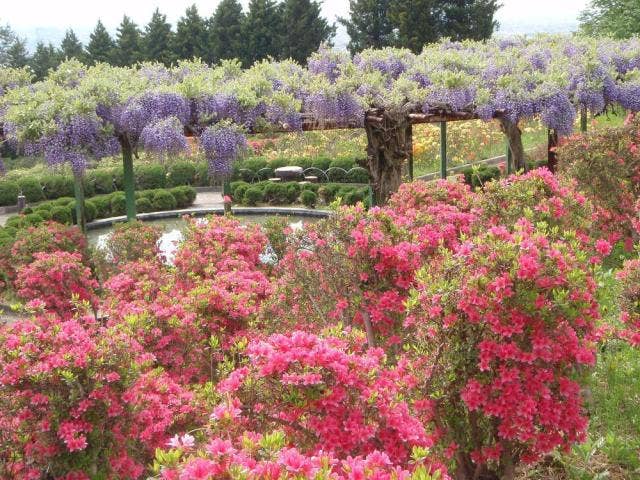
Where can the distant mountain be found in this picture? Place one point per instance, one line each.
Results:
(521, 27)
(50, 34)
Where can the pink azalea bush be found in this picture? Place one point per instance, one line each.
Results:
(45, 238)
(606, 166)
(270, 456)
(57, 282)
(358, 267)
(129, 242)
(211, 295)
(538, 196)
(507, 324)
(629, 278)
(77, 400)
(328, 395)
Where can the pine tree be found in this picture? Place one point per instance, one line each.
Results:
(416, 23)
(469, 19)
(225, 31)
(190, 39)
(305, 29)
(45, 58)
(368, 24)
(262, 28)
(128, 43)
(101, 45)
(7, 40)
(70, 47)
(17, 54)
(157, 40)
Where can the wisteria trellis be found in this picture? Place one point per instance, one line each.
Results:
(83, 112)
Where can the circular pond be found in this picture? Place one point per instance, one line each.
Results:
(173, 227)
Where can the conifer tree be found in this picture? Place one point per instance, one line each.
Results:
(101, 45)
(17, 54)
(190, 39)
(261, 31)
(158, 39)
(368, 24)
(44, 58)
(305, 29)
(128, 43)
(225, 31)
(71, 47)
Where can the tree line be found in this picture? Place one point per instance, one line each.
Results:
(269, 28)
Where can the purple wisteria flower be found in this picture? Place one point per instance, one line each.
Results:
(342, 109)
(164, 137)
(222, 143)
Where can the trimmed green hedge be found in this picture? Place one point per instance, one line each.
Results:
(276, 193)
(101, 181)
(63, 210)
(476, 176)
(259, 169)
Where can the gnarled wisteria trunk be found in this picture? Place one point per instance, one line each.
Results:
(514, 137)
(387, 150)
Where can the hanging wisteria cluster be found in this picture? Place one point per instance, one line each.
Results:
(547, 77)
(222, 144)
(73, 141)
(164, 137)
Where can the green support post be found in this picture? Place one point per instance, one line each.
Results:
(443, 149)
(583, 120)
(409, 142)
(372, 197)
(509, 159)
(78, 187)
(129, 183)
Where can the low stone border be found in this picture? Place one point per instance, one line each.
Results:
(218, 210)
(8, 209)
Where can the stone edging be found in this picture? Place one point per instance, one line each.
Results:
(218, 210)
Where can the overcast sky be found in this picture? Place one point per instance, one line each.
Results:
(30, 16)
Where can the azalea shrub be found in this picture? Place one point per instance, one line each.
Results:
(45, 238)
(538, 196)
(270, 455)
(358, 267)
(629, 279)
(328, 394)
(506, 325)
(189, 315)
(129, 242)
(606, 166)
(57, 282)
(218, 244)
(78, 401)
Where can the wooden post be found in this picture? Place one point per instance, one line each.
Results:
(552, 143)
(129, 182)
(583, 119)
(443, 149)
(78, 188)
(409, 140)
